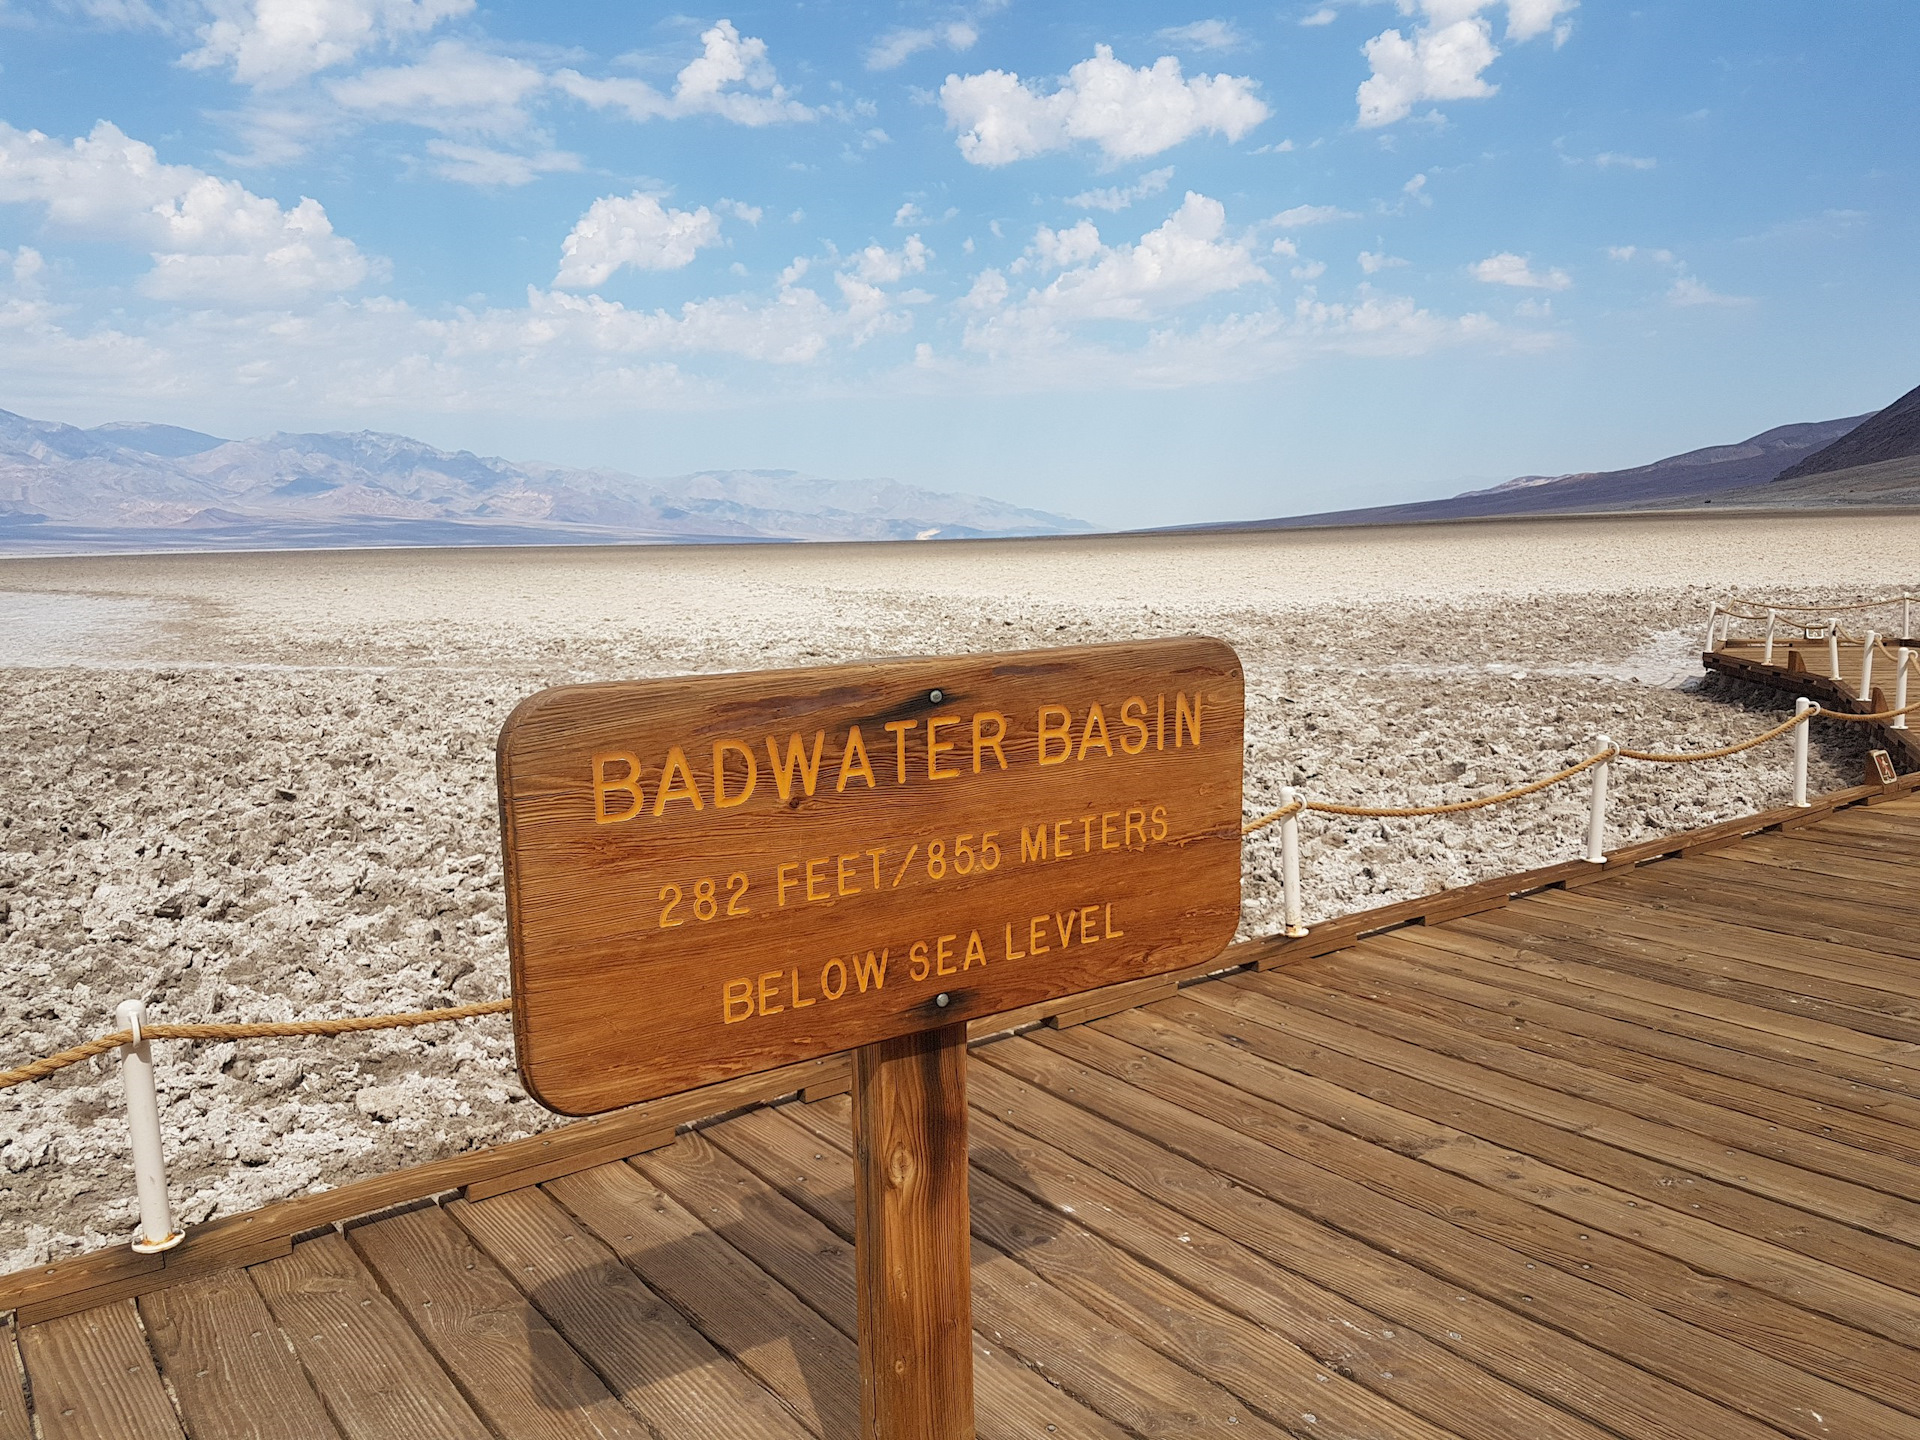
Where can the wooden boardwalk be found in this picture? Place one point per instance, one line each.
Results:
(1809, 668)
(1639, 1158)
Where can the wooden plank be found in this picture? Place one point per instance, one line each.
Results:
(642, 835)
(1269, 1144)
(1100, 1125)
(1659, 1125)
(93, 1379)
(1200, 1338)
(1577, 1187)
(513, 1367)
(575, 1158)
(1114, 997)
(1729, 890)
(231, 1371)
(814, 1258)
(666, 1371)
(14, 1424)
(377, 1380)
(780, 1340)
(910, 1197)
(217, 1256)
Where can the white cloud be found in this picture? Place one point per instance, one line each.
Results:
(1309, 270)
(1204, 35)
(1687, 291)
(1611, 160)
(877, 265)
(1285, 247)
(1445, 57)
(210, 238)
(1119, 197)
(1058, 249)
(1127, 113)
(909, 214)
(1325, 15)
(1416, 190)
(1372, 262)
(1506, 268)
(635, 230)
(484, 166)
(454, 89)
(896, 47)
(276, 42)
(732, 78)
(1301, 215)
(740, 210)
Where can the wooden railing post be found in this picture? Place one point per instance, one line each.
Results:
(911, 1236)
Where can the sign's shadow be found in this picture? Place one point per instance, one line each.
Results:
(765, 1274)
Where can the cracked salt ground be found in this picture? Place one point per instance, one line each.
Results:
(262, 786)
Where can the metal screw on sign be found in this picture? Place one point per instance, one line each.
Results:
(936, 696)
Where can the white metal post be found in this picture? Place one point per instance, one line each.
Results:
(1597, 818)
(1768, 657)
(156, 1231)
(1800, 707)
(1833, 649)
(1866, 667)
(1290, 863)
(1713, 619)
(1901, 658)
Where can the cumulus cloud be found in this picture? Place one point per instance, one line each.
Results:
(211, 239)
(276, 42)
(1325, 15)
(1446, 55)
(631, 230)
(1204, 35)
(453, 88)
(1301, 215)
(896, 47)
(1372, 262)
(1128, 113)
(1119, 197)
(1507, 268)
(732, 78)
(877, 265)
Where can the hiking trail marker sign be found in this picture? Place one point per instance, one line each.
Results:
(709, 876)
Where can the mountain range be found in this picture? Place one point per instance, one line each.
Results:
(132, 485)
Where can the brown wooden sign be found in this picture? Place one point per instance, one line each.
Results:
(712, 875)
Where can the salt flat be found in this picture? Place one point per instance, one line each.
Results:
(260, 785)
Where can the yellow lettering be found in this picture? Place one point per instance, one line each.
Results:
(1159, 822)
(1159, 722)
(1087, 937)
(1137, 824)
(1112, 934)
(798, 1003)
(1062, 731)
(796, 760)
(936, 747)
(1033, 846)
(785, 884)
(1036, 929)
(1094, 732)
(630, 783)
(975, 951)
(1066, 930)
(769, 992)
(737, 992)
(917, 958)
(1060, 850)
(943, 952)
(853, 762)
(815, 881)
(1107, 842)
(721, 749)
(1185, 721)
(899, 729)
(1086, 835)
(867, 969)
(983, 742)
(833, 992)
(685, 790)
(876, 854)
(1013, 954)
(1139, 726)
(844, 888)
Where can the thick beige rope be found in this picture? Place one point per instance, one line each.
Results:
(249, 1030)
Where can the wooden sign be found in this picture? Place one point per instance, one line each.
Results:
(1880, 769)
(713, 875)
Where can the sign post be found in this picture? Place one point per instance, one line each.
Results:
(710, 876)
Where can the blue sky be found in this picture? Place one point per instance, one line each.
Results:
(1143, 263)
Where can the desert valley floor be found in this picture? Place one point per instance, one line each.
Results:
(261, 785)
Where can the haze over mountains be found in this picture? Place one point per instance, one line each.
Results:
(130, 485)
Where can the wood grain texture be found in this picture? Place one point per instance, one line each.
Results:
(93, 1378)
(910, 1204)
(713, 875)
(14, 1423)
(377, 1380)
(517, 1371)
(228, 1364)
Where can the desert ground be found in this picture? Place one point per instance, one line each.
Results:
(260, 786)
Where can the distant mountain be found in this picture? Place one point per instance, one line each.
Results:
(129, 485)
(1893, 434)
(1684, 479)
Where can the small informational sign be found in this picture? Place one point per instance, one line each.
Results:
(1880, 769)
(713, 875)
